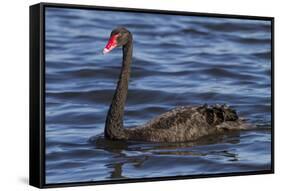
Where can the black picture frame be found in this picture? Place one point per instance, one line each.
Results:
(37, 94)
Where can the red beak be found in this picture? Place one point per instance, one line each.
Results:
(112, 43)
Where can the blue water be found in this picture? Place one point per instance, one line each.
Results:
(178, 60)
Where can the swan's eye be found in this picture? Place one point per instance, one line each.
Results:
(118, 35)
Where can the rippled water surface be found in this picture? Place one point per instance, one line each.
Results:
(178, 60)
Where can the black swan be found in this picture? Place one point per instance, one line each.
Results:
(186, 123)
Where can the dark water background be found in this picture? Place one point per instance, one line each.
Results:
(178, 60)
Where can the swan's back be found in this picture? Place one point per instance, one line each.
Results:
(187, 124)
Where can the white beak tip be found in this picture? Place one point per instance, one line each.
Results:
(105, 51)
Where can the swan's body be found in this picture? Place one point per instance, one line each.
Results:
(178, 125)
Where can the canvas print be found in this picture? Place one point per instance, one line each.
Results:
(135, 95)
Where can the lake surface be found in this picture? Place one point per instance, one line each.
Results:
(178, 60)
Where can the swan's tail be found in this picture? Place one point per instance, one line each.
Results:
(232, 121)
(224, 117)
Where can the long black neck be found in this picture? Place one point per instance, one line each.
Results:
(114, 120)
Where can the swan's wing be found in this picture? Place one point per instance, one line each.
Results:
(186, 123)
(199, 116)
(172, 118)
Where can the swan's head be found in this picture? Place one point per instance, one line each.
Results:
(118, 37)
